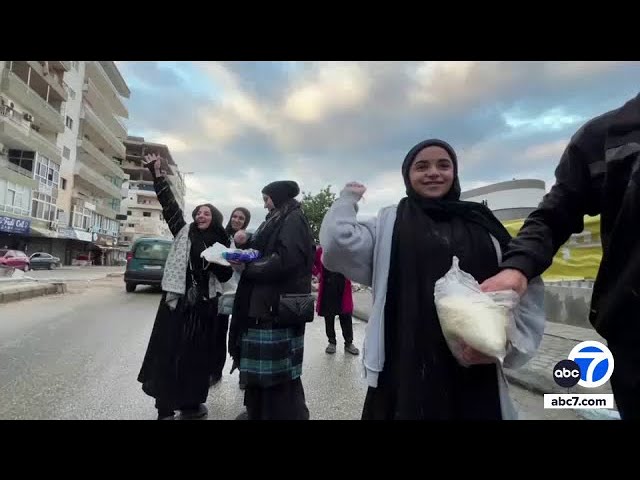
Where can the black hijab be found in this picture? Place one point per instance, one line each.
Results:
(283, 194)
(203, 239)
(281, 191)
(247, 218)
(421, 379)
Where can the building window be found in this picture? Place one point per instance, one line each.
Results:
(146, 214)
(66, 153)
(63, 183)
(14, 198)
(81, 217)
(47, 172)
(69, 122)
(128, 213)
(43, 207)
(23, 159)
(131, 225)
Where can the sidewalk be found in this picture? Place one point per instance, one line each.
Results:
(36, 283)
(537, 374)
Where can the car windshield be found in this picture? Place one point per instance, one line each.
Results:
(152, 251)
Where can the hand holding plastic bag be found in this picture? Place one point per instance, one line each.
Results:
(218, 253)
(472, 318)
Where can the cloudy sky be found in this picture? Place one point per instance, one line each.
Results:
(240, 125)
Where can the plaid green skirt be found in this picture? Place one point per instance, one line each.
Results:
(270, 356)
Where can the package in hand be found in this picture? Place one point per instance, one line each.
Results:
(218, 253)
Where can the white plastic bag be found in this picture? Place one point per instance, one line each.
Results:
(468, 316)
(213, 254)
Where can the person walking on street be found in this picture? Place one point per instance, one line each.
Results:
(177, 363)
(598, 174)
(334, 298)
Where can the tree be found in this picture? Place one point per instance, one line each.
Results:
(315, 207)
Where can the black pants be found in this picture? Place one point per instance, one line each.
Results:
(219, 347)
(345, 324)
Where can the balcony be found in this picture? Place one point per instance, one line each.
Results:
(106, 211)
(101, 129)
(86, 174)
(102, 108)
(14, 87)
(105, 85)
(15, 174)
(61, 65)
(54, 82)
(103, 162)
(16, 133)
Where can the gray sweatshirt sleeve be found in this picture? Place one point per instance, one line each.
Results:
(348, 244)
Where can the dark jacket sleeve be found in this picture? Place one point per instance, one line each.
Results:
(221, 272)
(170, 209)
(290, 254)
(561, 212)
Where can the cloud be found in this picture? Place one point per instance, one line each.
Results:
(239, 125)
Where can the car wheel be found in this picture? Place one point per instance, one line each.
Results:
(130, 287)
(52, 265)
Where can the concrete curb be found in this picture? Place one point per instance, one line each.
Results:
(31, 290)
(25, 288)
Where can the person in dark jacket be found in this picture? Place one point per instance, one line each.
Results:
(269, 356)
(177, 364)
(599, 173)
(334, 298)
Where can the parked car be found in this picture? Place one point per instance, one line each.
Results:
(14, 258)
(44, 260)
(145, 262)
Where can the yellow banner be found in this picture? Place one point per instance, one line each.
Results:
(579, 258)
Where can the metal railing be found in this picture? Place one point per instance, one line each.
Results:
(16, 86)
(50, 148)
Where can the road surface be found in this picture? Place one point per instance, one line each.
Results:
(77, 356)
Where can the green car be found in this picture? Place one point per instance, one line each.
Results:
(145, 262)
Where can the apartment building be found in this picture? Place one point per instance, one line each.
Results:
(141, 207)
(61, 150)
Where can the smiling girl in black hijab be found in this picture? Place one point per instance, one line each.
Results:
(402, 253)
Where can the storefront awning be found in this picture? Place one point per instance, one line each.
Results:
(43, 232)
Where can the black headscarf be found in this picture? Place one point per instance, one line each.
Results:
(283, 194)
(281, 191)
(421, 379)
(247, 218)
(203, 239)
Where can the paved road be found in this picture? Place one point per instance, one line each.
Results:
(76, 356)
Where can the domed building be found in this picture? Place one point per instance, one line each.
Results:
(511, 200)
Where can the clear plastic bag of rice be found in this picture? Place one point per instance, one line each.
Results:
(470, 317)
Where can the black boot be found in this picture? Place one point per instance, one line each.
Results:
(194, 413)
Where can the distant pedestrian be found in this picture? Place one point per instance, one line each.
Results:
(334, 298)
